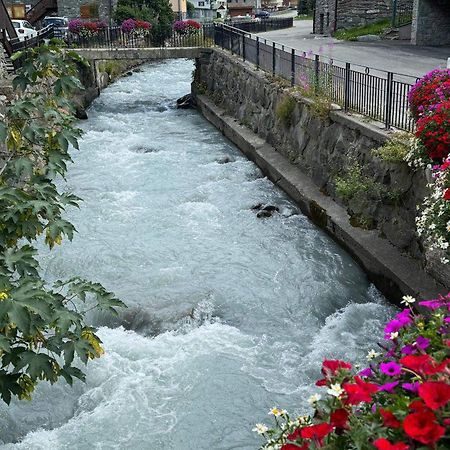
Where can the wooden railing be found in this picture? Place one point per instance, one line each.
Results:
(40, 10)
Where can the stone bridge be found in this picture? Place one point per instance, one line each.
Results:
(102, 54)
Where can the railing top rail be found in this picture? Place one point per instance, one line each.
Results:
(310, 55)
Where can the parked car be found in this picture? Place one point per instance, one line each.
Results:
(24, 29)
(262, 15)
(60, 26)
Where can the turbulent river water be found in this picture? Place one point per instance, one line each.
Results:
(229, 314)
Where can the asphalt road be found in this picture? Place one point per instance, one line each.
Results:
(393, 56)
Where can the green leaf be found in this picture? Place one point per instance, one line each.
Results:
(38, 366)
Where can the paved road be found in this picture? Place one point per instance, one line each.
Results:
(394, 56)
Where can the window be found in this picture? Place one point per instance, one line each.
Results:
(201, 3)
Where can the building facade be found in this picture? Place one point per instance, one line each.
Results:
(93, 10)
(332, 15)
(431, 22)
(179, 8)
(207, 10)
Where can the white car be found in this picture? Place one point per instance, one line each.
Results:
(24, 29)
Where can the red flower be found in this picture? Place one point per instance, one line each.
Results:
(359, 392)
(435, 394)
(295, 435)
(339, 418)
(417, 406)
(389, 420)
(317, 432)
(384, 444)
(423, 364)
(330, 367)
(322, 382)
(422, 427)
(295, 447)
(446, 195)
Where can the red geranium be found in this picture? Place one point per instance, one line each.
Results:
(389, 420)
(295, 447)
(423, 427)
(435, 394)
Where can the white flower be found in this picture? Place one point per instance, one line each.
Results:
(393, 335)
(277, 412)
(372, 354)
(260, 428)
(444, 245)
(444, 261)
(335, 390)
(432, 226)
(314, 399)
(408, 300)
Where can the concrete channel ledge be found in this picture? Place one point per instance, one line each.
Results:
(392, 273)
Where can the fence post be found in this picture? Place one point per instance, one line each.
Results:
(257, 52)
(243, 46)
(293, 67)
(316, 72)
(231, 41)
(274, 49)
(347, 87)
(222, 37)
(389, 99)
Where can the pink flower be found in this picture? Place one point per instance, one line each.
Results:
(391, 368)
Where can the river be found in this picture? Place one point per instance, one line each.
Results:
(229, 314)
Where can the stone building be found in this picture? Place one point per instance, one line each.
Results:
(431, 22)
(332, 15)
(207, 10)
(87, 9)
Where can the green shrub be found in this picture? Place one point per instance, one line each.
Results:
(285, 110)
(394, 150)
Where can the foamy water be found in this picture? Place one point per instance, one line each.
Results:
(228, 314)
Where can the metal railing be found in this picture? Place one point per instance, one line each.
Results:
(373, 93)
(115, 37)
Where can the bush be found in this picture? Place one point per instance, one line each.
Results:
(430, 90)
(285, 110)
(401, 401)
(433, 130)
(43, 332)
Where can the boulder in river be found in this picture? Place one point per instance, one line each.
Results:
(186, 102)
(80, 112)
(264, 211)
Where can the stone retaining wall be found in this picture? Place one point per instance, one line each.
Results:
(324, 149)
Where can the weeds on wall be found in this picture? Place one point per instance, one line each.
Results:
(285, 110)
(396, 149)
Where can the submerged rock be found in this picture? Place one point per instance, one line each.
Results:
(265, 211)
(186, 102)
(225, 160)
(80, 113)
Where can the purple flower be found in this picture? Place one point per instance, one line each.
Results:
(447, 320)
(404, 317)
(413, 387)
(391, 368)
(366, 372)
(389, 387)
(408, 350)
(392, 327)
(422, 343)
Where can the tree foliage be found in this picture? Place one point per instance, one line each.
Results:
(305, 7)
(158, 12)
(42, 327)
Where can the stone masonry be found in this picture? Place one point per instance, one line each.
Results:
(81, 8)
(431, 22)
(332, 15)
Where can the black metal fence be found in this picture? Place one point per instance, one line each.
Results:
(203, 37)
(373, 93)
(402, 12)
(115, 37)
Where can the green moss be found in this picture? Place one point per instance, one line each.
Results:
(285, 110)
(352, 34)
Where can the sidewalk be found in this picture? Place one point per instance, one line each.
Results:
(392, 56)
